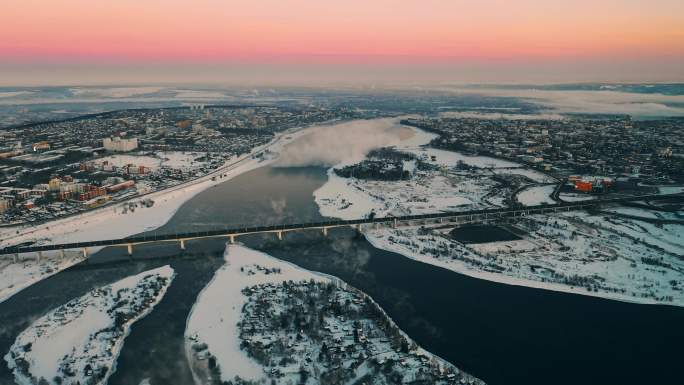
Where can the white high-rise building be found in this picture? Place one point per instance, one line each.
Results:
(118, 144)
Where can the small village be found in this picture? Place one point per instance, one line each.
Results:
(327, 333)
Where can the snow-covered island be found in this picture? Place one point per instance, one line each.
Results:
(80, 341)
(263, 320)
(636, 257)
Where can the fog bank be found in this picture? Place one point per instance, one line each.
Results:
(349, 142)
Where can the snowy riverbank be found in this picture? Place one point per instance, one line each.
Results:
(115, 221)
(80, 341)
(598, 255)
(215, 346)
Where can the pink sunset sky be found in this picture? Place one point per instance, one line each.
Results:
(62, 41)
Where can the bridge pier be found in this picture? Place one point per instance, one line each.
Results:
(40, 255)
(232, 239)
(325, 231)
(85, 252)
(280, 235)
(377, 225)
(62, 253)
(394, 223)
(129, 248)
(182, 244)
(16, 258)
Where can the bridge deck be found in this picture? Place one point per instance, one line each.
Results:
(499, 212)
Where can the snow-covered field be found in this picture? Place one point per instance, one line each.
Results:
(570, 252)
(352, 198)
(426, 192)
(80, 341)
(575, 197)
(212, 330)
(642, 213)
(451, 159)
(179, 159)
(536, 195)
(120, 160)
(172, 159)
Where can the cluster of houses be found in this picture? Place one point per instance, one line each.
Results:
(308, 331)
(617, 148)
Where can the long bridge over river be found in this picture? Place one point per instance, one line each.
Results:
(458, 217)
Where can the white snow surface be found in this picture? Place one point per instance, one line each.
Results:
(172, 159)
(70, 330)
(15, 276)
(214, 317)
(351, 198)
(575, 197)
(575, 245)
(451, 159)
(536, 195)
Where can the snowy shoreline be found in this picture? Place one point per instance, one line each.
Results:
(111, 221)
(212, 325)
(461, 268)
(83, 338)
(351, 198)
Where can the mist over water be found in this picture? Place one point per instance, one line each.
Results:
(343, 143)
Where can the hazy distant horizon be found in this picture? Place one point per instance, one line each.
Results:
(351, 42)
(16, 74)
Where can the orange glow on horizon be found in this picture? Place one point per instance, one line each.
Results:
(339, 31)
